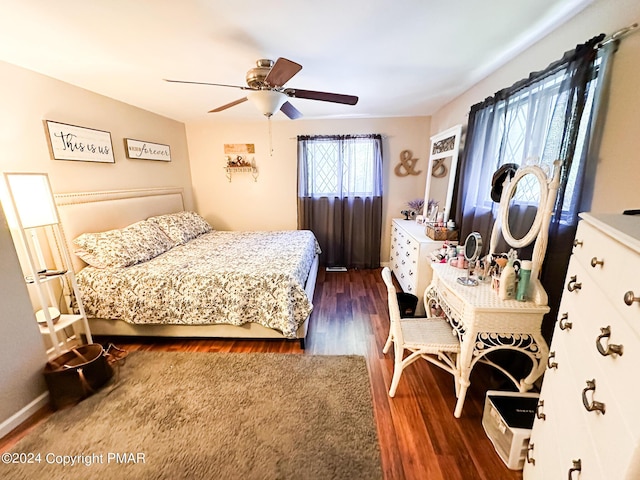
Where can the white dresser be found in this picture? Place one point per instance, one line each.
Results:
(410, 258)
(587, 422)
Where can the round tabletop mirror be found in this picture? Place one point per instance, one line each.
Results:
(472, 251)
(521, 212)
(473, 247)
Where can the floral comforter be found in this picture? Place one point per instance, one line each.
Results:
(218, 277)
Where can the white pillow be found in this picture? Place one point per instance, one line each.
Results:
(182, 226)
(124, 247)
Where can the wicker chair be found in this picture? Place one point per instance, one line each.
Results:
(432, 339)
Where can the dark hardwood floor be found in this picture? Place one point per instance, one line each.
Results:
(418, 434)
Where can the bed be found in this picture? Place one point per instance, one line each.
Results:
(196, 281)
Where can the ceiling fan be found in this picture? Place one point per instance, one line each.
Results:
(265, 83)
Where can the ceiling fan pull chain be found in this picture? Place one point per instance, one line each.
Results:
(270, 137)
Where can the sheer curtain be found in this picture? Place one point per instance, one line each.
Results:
(340, 197)
(553, 114)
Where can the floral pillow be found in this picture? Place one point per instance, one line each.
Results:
(124, 247)
(182, 226)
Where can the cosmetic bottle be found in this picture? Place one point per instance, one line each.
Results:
(523, 281)
(508, 279)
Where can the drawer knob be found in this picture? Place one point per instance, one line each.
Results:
(530, 459)
(610, 348)
(630, 297)
(564, 322)
(539, 412)
(573, 284)
(577, 467)
(595, 262)
(577, 243)
(592, 406)
(551, 364)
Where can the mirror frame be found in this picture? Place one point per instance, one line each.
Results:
(436, 154)
(477, 250)
(507, 194)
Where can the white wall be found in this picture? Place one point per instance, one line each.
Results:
(22, 352)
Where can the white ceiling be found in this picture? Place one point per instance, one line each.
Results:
(401, 57)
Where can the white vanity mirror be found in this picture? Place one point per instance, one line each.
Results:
(441, 171)
(522, 219)
(526, 206)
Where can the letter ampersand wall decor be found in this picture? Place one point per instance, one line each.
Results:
(407, 165)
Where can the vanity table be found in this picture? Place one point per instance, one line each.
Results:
(481, 320)
(484, 323)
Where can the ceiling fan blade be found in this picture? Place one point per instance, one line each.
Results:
(281, 72)
(229, 105)
(206, 83)
(323, 96)
(290, 111)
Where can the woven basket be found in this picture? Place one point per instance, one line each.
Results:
(440, 233)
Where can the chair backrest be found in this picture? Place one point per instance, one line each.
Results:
(392, 300)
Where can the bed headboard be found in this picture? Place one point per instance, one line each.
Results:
(85, 212)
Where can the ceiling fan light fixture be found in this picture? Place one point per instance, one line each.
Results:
(267, 101)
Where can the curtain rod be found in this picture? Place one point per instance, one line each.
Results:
(384, 137)
(623, 32)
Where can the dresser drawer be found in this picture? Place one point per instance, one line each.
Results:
(593, 320)
(562, 396)
(589, 311)
(614, 267)
(406, 276)
(581, 379)
(455, 304)
(543, 460)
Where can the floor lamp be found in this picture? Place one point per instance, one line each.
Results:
(34, 209)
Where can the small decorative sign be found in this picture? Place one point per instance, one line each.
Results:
(69, 142)
(245, 148)
(146, 150)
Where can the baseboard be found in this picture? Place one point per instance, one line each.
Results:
(335, 269)
(23, 414)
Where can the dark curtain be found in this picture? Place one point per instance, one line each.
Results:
(553, 114)
(340, 197)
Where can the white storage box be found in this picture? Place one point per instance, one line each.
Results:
(507, 421)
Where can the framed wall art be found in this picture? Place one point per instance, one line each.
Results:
(137, 149)
(70, 142)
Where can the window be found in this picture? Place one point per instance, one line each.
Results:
(531, 123)
(340, 166)
(340, 197)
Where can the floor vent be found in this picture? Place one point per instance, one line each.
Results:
(336, 269)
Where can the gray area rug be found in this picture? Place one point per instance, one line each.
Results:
(214, 415)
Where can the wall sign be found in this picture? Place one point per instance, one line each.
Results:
(68, 142)
(147, 150)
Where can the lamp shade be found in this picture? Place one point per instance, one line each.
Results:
(267, 101)
(32, 198)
